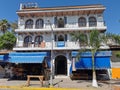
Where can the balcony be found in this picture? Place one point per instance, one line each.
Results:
(68, 27)
(56, 46)
(46, 46)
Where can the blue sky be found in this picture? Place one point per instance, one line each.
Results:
(8, 9)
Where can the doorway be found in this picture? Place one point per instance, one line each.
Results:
(60, 65)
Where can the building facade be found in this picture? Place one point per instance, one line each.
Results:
(48, 31)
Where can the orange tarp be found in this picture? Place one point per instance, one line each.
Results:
(115, 73)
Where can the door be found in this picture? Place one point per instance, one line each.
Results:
(60, 65)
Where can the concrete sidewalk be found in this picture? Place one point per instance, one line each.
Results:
(58, 83)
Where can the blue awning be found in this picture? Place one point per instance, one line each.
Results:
(27, 57)
(89, 54)
(102, 60)
(4, 57)
(86, 63)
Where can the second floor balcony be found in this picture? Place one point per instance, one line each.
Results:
(59, 45)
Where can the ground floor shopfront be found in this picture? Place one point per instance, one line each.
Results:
(64, 63)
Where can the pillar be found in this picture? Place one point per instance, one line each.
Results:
(73, 64)
(68, 64)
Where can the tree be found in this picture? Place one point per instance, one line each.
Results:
(94, 42)
(4, 25)
(80, 37)
(14, 26)
(7, 41)
(115, 40)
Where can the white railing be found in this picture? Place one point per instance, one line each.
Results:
(47, 45)
(68, 25)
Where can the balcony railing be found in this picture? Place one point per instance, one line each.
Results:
(68, 25)
(56, 45)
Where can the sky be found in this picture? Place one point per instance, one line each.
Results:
(8, 9)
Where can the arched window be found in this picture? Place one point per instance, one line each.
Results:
(27, 41)
(60, 38)
(39, 23)
(60, 23)
(38, 39)
(92, 21)
(81, 22)
(29, 24)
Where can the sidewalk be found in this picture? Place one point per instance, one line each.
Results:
(58, 84)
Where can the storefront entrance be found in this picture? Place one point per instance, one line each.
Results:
(60, 65)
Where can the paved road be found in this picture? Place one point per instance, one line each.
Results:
(61, 83)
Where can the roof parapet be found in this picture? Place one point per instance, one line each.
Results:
(28, 5)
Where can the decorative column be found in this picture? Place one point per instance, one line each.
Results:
(68, 64)
(87, 21)
(73, 64)
(53, 66)
(20, 40)
(33, 38)
(34, 22)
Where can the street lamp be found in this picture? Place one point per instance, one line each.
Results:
(51, 75)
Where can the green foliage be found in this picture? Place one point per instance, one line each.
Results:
(4, 25)
(114, 37)
(14, 25)
(81, 37)
(7, 41)
(95, 40)
(117, 38)
(118, 54)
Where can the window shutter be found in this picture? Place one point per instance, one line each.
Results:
(55, 21)
(65, 20)
(65, 37)
(55, 37)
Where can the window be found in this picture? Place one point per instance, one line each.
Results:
(38, 39)
(60, 23)
(27, 41)
(39, 23)
(65, 20)
(29, 24)
(60, 38)
(55, 21)
(92, 22)
(81, 22)
(55, 37)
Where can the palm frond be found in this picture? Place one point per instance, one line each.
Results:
(95, 39)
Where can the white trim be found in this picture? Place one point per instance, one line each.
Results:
(62, 29)
(60, 10)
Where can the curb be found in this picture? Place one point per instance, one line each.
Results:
(35, 88)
